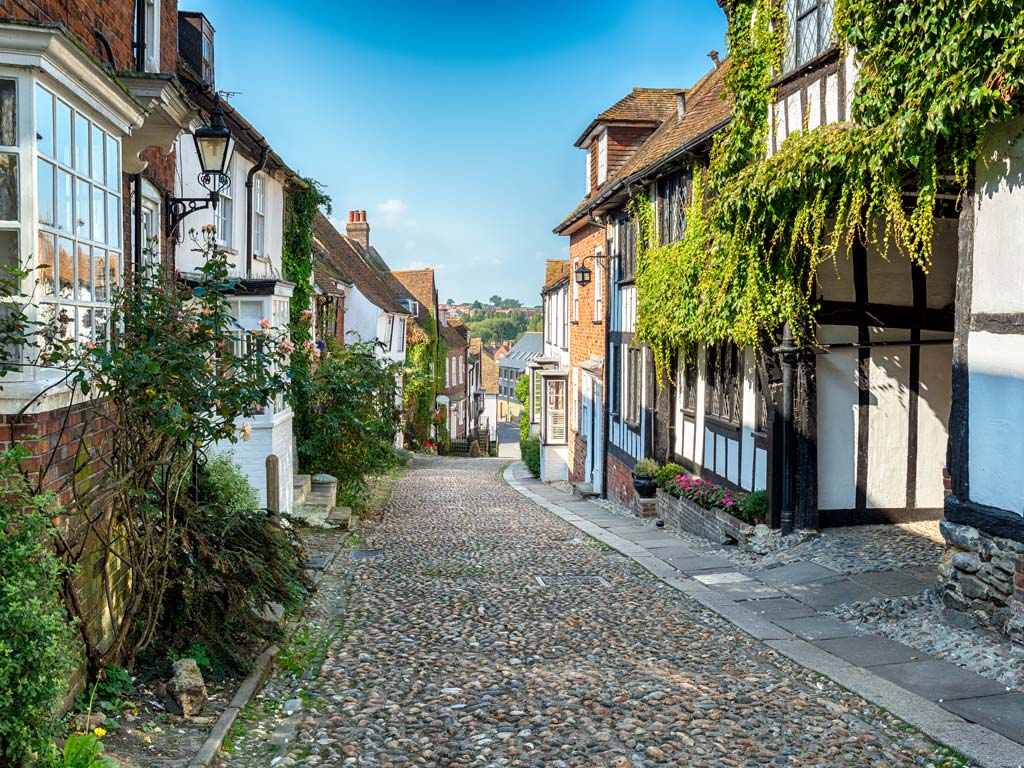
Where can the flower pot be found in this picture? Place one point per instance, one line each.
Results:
(645, 487)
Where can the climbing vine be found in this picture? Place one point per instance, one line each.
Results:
(931, 76)
(302, 200)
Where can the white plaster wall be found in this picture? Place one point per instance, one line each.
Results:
(935, 393)
(837, 420)
(749, 419)
(887, 428)
(996, 419)
(554, 463)
(999, 226)
(361, 316)
(187, 185)
(699, 445)
(996, 361)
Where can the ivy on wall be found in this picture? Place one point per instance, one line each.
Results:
(424, 380)
(931, 76)
(302, 200)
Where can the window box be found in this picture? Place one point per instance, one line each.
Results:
(715, 525)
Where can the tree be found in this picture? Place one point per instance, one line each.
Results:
(495, 300)
(451, 301)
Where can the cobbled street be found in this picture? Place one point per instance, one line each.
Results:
(453, 654)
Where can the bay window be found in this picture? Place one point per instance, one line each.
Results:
(554, 413)
(78, 215)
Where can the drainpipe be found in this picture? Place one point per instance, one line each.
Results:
(249, 183)
(788, 352)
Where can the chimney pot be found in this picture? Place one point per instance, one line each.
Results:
(358, 229)
(714, 57)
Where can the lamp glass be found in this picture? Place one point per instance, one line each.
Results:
(215, 147)
(583, 274)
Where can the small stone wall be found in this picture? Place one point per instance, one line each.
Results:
(981, 580)
(713, 525)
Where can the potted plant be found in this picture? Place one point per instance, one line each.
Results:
(643, 478)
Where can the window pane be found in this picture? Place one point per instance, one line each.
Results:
(9, 255)
(99, 221)
(45, 274)
(83, 210)
(44, 199)
(44, 122)
(65, 268)
(65, 192)
(808, 37)
(113, 164)
(83, 274)
(100, 324)
(99, 262)
(8, 113)
(113, 221)
(63, 133)
(9, 187)
(114, 260)
(81, 145)
(97, 142)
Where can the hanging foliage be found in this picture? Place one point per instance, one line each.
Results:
(931, 76)
(302, 200)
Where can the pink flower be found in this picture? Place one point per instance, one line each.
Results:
(246, 432)
(264, 324)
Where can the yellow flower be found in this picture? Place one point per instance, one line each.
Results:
(100, 732)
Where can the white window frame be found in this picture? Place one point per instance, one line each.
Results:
(152, 11)
(401, 334)
(83, 312)
(462, 371)
(259, 218)
(598, 284)
(590, 153)
(151, 223)
(575, 294)
(575, 400)
(225, 214)
(602, 158)
(554, 433)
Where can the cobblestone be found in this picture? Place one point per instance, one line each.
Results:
(453, 654)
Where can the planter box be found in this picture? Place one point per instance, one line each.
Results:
(714, 525)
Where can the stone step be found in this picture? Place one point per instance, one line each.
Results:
(313, 515)
(301, 485)
(320, 500)
(341, 516)
(584, 490)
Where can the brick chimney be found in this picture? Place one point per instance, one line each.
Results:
(358, 229)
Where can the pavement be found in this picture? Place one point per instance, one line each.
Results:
(505, 624)
(508, 440)
(790, 607)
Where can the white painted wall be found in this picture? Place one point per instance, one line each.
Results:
(268, 437)
(188, 186)
(554, 463)
(996, 361)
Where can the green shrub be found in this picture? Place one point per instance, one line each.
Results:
(524, 427)
(754, 508)
(36, 650)
(646, 468)
(233, 559)
(351, 417)
(668, 472)
(81, 750)
(530, 450)
(402, 457)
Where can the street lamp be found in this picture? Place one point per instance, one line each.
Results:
(214, 146)
(583, 275)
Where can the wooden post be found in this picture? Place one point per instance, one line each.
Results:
(273, 485)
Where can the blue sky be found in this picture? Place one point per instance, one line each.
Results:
(451, 124)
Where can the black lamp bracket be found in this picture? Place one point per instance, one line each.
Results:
(179, 208)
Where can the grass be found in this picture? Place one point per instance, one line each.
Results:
(236, 731)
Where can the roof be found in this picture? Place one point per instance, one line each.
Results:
(557, 270)
(640, 106)
(453, 336)
(344, 254)
(708, 109)
(488, 365)
(528, 347)
(418, 285)
(326, 273)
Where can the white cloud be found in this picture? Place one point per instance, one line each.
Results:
(392, 206)
(410, 245)
(416, 264)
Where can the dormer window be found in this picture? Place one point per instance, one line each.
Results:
(810, 31)
(602, 158)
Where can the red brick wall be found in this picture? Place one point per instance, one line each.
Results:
(114, 19)
(620, 482)
(586, 338)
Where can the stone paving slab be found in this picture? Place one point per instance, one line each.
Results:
(781, 608)
(691, 563)
(795, 573)
(870, 650)
(824, 595)
(891, 583)
(748, 590)
(939, 680)
(817, 627)
(1003, 714)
